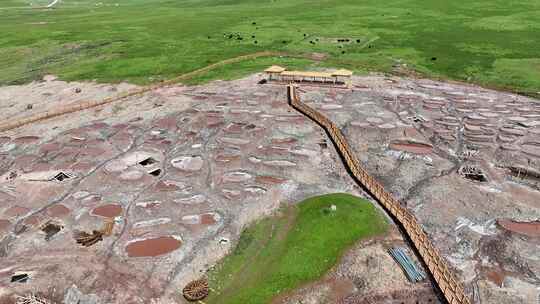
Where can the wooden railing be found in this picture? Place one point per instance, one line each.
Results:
(450, 287)
(16, 123)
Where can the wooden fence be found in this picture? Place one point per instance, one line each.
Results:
(95, 103)
(436, 264)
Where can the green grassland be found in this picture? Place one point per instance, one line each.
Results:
(491, 42)
(296, 246)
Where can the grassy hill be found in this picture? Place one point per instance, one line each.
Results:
(296, 246)
(485, 41)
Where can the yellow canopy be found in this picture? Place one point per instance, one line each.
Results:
(342, 72)
(306, 74)
(275, 69)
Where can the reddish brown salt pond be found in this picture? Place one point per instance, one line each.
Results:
(110, 210)
(120, 126)
(33, 220)
(97, 126)
(199, 97)
(166, 186)
(58, 210)
(69, 152)
(214, 121)
(166, 142)
(526, 228)
(411, 147)
(24, 160)
(270, 151)
(25, 139)
(122, 136)
(265, 179)
(42, 166)
(208, 219)
(4, 224)
(287, 140)
(166, 123)
(496, 277)
(153, 247)
(16, 211)
(49, 147)
(93, 151)
(95, 142)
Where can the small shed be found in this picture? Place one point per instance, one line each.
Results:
(278, 73)
(342, 75)
(301, 76)
(274, 72)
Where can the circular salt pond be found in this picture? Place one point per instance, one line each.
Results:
(4, 224)
(153, 247)
(110, 210)
(25, 139)
(58, 211)
(527, 228)
(15, 211)
(411, 147)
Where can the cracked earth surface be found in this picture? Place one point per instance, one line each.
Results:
(181, 170)
(186, 168)
(416, 136)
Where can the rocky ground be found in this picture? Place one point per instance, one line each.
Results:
(465, 160)
(366, 274)
(179, 171)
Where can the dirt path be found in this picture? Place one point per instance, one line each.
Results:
(72, 108)
(53, 3)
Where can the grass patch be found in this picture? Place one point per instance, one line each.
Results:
(145, 41)
(244, 68)
(298, 245)
(517, 72)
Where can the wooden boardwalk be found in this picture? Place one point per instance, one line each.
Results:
(436, 264)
